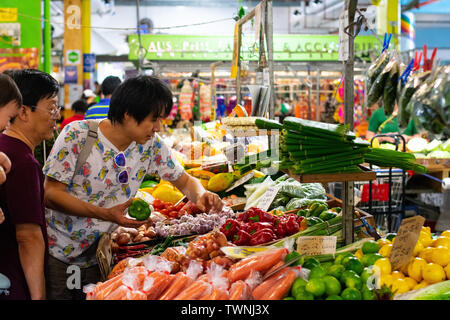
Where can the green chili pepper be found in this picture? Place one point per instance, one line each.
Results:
(139, 209)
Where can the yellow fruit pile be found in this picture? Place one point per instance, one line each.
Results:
(429, 264)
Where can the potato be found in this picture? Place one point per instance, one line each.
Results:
(123, 238)
(145, 239)
(150, 233)
(138, 238)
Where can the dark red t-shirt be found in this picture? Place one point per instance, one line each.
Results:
(22, 201)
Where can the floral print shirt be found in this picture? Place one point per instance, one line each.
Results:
(97, 183)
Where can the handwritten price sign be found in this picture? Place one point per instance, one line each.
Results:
(314, 245)
(405, 241)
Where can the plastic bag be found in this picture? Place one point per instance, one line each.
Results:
(390, 89)
(411, 86)
(186, 101)
(297, 203)
(375, 69)
(377, 88)
(429, 105)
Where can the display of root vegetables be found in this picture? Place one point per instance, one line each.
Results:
(122, 240)
(154, 278)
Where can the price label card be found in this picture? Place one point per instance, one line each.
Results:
(242, 252)
(405, 241)
(314, 245)
(268, 197)
(241, 181)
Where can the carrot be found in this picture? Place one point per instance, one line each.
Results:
(261, 263)
(119, 268)
(161, 280)
(237, 290)
(278, 291)
(276, 266)
(118, 294)
(266, 285)
(216, 294)
(104, 289)
(180, 282)
(195, 291)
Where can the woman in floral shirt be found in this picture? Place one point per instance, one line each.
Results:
(81, 206)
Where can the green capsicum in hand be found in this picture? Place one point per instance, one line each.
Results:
(139, 209)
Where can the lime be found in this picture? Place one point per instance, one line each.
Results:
(370, 246)
(346, 274)
(298, 284)
(341, 256)
(317, 272)
(327, 265)
(365, 275)
(289, 298)
(310, 263)
(316, 286)
(368, 294)
(332, 285)
(292, 255)
(347, 259)
(391, 236)
(351, 294)
(334, 297)
(336, 270)
(370, 258)
(353, 282)
(302, 294)
(355, 265)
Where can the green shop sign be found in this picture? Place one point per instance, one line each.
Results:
(286, 47)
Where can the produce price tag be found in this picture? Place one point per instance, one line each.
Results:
(268, 197)
(405, 241)
(242, 180)
(314, 245)
(241, 252)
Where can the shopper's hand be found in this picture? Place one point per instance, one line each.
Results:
(117, 213)
(209, 201)
(5, 166)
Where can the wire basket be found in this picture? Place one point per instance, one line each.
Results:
(386, 211)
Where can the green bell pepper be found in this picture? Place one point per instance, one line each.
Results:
(139, 209)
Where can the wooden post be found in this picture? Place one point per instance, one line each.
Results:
(269, 38)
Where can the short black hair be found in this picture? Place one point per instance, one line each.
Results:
(110, 84)
(139, 97)
(35, 85)
(9, 91)
(79, 106)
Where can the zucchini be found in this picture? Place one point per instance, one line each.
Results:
(311, 221)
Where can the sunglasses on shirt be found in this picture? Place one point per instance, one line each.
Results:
(120, 161)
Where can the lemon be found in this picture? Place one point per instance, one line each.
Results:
(411, 282)
(397, 275)
(421, 285)
(441, 256)
(425, 238)
(426, 253)
(433, 273)
(385, 250)
(383, 242)
(446, 233)
(442, 241)
(400, 286)
(419, 247)
(447, 271)
(415, 268)
(384, 265)
(359, 254)
(386, 279)
(426, 229)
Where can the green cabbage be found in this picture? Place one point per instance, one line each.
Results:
(446, 145)
(439, 154)
(417, 145)
(434, 145)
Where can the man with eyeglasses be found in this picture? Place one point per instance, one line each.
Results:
(83, 206)
(23, 236)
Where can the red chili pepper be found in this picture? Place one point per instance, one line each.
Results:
(262, 236)
(253, 227)
(135, 247)
(242, 238)
(230, 228)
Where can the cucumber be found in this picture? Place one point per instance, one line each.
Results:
(327, 215)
